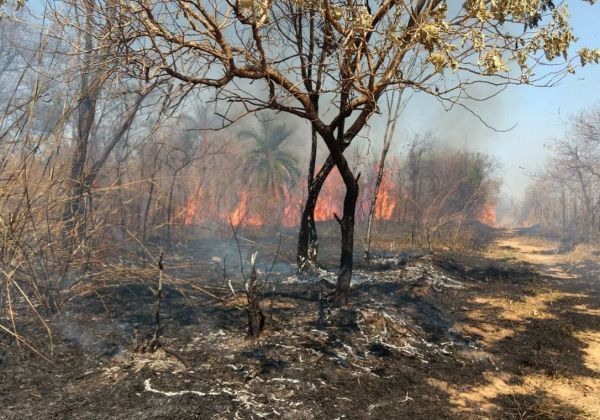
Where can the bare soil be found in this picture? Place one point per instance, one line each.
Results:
(512, 331)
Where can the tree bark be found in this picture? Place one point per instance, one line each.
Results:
(147, 211)
(347, 248)
(307, 241)
(563, 202)
(336, 158)
(313, 240)
(374, 202)
(170, 208)
(390, 128)
(75, 206)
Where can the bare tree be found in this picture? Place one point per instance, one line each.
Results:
(394, 106)
(566, 197)
(445, 190)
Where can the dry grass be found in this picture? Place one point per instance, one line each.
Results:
(583, 252)
(541, 251)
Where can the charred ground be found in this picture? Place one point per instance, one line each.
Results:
(501, 333)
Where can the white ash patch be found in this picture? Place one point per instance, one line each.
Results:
(433, 276)
(319, 274)
(393, 262)
(416, 271)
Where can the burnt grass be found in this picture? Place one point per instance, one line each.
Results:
(407, 330)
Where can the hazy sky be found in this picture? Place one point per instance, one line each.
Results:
(540, 114)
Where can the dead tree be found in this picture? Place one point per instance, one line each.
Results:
(574, 168)
(95, 71)
(394, 106)
(89, 91)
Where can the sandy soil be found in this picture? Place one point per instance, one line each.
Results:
(565, 309)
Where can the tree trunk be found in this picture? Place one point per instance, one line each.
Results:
(170, 208)
(390, 128)
(347, 229)
(75, 206)
(147, 211)
(313, 240)
(256, 317)
(307, 237)
(307, 240)
(563, 202)
(374, 204)
(338, 160)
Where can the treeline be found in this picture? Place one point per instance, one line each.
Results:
(565, 198)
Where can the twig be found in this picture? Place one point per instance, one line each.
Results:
(178, 356)
(154, 344)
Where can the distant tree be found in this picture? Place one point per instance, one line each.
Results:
(444, 188)
(457, 187)
(565, 197)
(267, 164)
(181, 150)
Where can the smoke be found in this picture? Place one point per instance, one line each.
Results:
(94, 336)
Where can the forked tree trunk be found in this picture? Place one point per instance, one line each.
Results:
(313, 240)
(307, 238)
(346, 223)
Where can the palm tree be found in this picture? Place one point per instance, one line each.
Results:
(268, 165)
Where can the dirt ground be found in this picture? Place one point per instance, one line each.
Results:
(512, 331)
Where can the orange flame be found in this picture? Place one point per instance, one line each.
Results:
(331, 196)
(254, 210)
(292, 209)
(189, 215)
(386, 200)
(488, 214)
(243, 214)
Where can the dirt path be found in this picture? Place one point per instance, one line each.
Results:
(550, 335)
(570, 272)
